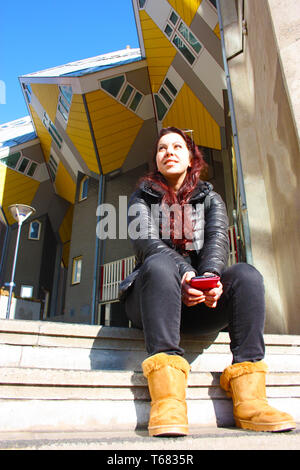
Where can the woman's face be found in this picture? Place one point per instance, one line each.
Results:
(173, 159)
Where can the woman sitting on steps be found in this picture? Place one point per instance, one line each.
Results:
(160, 300)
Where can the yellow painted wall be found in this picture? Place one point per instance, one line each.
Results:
(115, 129)
(217, 31)
(43, 134)
(15, 188)
(79, 131)
(48, 97)
(159, 51)
(64, 184)
(188, 112)
(186, 9)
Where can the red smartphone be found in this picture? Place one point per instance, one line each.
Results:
(204, 282)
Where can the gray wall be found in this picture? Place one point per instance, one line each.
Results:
(79, 296)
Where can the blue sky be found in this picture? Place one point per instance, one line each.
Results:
(36, 35)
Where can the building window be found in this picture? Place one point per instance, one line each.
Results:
(52, 130)
(122, 91)
(52, 166)
(27, 90)
(166, 96)
(76, 270)
(23, 165)
(11, 160)
(183, 49)
(170, 86)
(64, 101)
(126, 94)
(214, 3)
(160, 107)
(141, 4)
(173, 18)
(189, 37)
(32, 169)
(113, 85)
(18, 162)
(26, 292)
(84, 186)
(136, 100)
(182, 37)
(164, 99)
(35, 230)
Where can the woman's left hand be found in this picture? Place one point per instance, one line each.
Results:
(212, 296)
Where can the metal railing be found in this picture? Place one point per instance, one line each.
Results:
(111, 276)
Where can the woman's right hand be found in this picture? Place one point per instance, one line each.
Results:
(190, 296)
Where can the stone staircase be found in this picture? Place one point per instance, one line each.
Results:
(69, 377)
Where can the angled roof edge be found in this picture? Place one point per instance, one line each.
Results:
(17, 132)
(91, 65)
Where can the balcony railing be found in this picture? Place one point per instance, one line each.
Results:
(111, 276)
(113, 273)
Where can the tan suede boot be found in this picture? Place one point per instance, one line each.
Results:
(167, 380)
(245, 383)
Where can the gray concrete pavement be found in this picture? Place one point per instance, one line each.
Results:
(204, 438)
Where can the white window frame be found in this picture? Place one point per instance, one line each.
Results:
(25, 289)
(139, 7)
(63, 105)
(176, 32)
(19, 163)
(76, 274)
(39, 231)
(81, 188)
(52, 164)
(122, 90)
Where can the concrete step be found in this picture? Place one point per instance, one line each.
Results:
(66, 377)
(141, 450)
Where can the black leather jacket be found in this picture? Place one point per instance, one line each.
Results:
(210, 232)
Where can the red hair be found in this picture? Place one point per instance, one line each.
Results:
(169, 196)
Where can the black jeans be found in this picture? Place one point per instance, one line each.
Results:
(154, 305)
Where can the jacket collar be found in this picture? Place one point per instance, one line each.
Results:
(198, 195)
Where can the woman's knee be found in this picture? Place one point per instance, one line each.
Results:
(245, 273)
(159, 265)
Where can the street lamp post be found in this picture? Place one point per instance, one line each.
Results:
(20, 213)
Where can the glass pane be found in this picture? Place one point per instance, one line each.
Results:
(160, 107)
(170, 86)
(12, 160)
(55, 135)
(52, 166)
(34, 230)
(63, 112)
(84, 188)
(168, 30)
(183, 49)
(26, 292)
(165, 96)
(77, 270)
(173, 18)
(126, 94)
(189, 37)
(142, 3)
(137, 98)
(67, 93)
(64, 104)
(113, 85)
(23, 165)
(32, 169)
